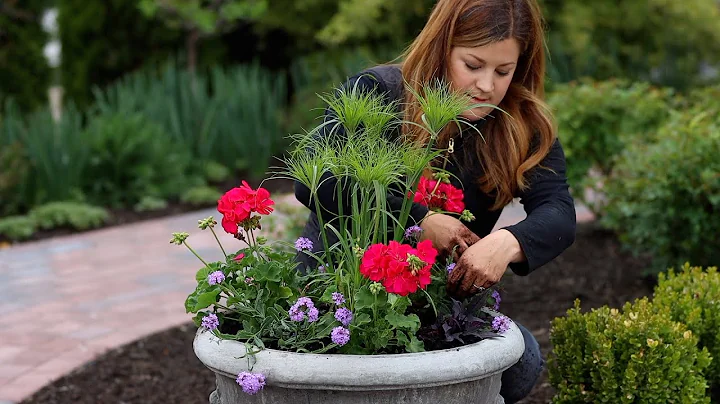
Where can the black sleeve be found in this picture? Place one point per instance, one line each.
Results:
(549, 227)
(327, 191)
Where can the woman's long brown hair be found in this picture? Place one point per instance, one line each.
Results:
(514, 142)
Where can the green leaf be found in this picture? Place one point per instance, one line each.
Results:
(285, 292)
(362, 318)
(399, 303)
(364, 299)
(415, 345)
(327, 296)
(410, 322)
(206, 299)
(191, 302)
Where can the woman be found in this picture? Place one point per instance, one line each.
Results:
(493, 51)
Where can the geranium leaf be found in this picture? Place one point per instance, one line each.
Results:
(410, 322)
(206, 299)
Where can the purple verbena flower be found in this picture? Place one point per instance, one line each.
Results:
(413, 232)
(344, 316)
(450, 267)
(313, 314)
(298, 315)
(210, 322)
(501, 324)
(340, 335)
(322, 269)
(496, 296)
(251, 383)
(304, 301)
(338, 298)
(303, 244)
(216, 277)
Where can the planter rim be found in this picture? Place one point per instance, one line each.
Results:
(364, 372)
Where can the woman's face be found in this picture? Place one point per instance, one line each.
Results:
(484, 73)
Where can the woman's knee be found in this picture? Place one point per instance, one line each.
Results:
(519, 380)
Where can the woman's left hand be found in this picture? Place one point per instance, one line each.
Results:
(484, 263)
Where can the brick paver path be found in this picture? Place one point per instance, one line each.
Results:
(66, 300)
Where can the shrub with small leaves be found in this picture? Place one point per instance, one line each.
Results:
(200, 195)
(663, 198)
(150, 203)
(76, 215)
(597, 120)
(17, 228)
(693, 297)
(637, 355)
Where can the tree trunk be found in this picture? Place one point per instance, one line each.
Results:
(191, 44)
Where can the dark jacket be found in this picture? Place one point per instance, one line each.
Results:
(548, 229)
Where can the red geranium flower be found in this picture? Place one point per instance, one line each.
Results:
(238, 203)
(446, 197)
(401, 268)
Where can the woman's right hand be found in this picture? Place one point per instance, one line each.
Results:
(447, 232)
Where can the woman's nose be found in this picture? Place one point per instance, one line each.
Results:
(485, 82)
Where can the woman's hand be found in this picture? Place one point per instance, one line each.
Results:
(484, 263)
(446, 232)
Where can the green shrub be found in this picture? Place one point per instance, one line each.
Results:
(17, 228)
(150, 203)
(597, 120)
(637, 355)
(201, 195)
(131, 158)
(693, 297)
(632, 39)
(75, 215)
(663, 198)
(216, 172)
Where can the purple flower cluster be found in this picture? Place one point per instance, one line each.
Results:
(251, 383)
(501, 324)
(340, 335)
(413, 232)
(338, 298)
(210, 322)
(496, 296)
(296, 314)
(344, 316)
(450, 267)
(216, 278)
(303, 244)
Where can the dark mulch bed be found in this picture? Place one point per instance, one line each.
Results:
(163, 369)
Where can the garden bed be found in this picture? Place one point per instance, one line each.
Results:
(162, 368)
(121, 216)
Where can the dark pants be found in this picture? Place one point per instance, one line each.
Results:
(517, 381)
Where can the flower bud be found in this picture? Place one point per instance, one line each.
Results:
(467, 216)
(203, 224)
(415, 262)
(179, 238)
(261, 240)
(375, 288)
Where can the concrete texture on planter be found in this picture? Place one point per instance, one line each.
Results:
(464, 375)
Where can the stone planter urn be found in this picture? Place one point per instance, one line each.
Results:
(466, 375)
